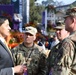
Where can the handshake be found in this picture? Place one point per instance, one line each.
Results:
(20, 70)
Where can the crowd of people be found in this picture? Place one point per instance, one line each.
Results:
(29, 58)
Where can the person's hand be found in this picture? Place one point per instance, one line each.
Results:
(20, 69)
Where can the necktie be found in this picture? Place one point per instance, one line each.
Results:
(8, 48)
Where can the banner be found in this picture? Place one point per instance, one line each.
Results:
(7, 10)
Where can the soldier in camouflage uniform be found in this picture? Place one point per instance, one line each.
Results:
(70, 42)
(56, 57)
(30, 54)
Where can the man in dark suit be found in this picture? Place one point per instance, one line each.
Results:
(6, 60)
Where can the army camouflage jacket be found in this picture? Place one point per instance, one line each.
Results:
(62, 58)
(33, 58)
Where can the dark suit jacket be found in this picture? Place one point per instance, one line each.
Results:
(6, 61)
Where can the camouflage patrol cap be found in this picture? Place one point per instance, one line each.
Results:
(59, 25)
(31, 30)
(70, 12)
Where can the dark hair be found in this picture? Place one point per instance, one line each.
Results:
(2, 19)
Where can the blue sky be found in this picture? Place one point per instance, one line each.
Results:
(64, 1)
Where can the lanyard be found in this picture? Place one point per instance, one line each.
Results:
(29, 56)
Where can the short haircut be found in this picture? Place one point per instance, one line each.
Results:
(2, 19)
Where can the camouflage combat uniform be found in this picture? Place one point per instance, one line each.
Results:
(62, 58)
(33, 58)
